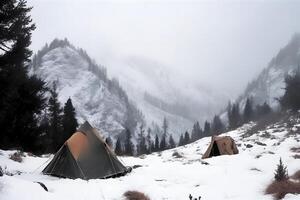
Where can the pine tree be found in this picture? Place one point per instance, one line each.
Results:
(281, 173)
(119, 148)
(217, 125)
(55, 118)
(196, 132)
(156, 143)
(262, 110)
(234, 116)
(186, 139)
(171, 142)
(163, 143)
(149, 141)
(248, 111)
(141, 147)
(128, 143)
(165, 126)
(181, 142)
(207, 130)
(22, 96)
(69, 121)
(291, 97)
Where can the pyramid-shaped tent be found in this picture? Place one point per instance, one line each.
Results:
(221, 146)
(85, 155)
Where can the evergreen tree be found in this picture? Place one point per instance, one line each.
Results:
(163, 143)
(281, 173)
(69, 121)
(149, 141)
(262, 110)
(196, 132)
(248, 111)
(119, 148)
(217, 125)
(186, 139)
(171, 142)
(142, 146)
(128, 143)
(234, 116)
(21, 99)
(291, 97)
(156, 143)
(181, 141)
(165, 126)
(207, 130)
(55, 119)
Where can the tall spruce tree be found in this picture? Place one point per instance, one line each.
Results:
(21, 95)
(119, 147)
(69, 121)
(171, 142)
(207, 129)
(181, 141)
(142, 146)
(55, 118)
(156, 145)
(149, 141)
(248, 111)
(196, 132)
(129, 149)
(163, 143)
(291, 97)
(186, 139)
(217, 125)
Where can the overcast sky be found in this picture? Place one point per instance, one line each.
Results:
(217, 43)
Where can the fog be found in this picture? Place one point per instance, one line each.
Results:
(222, 44)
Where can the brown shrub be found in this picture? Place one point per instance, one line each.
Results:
(296, 156)
(176, 154)
(296, 175)
(295, 149)
(135, 195)
(280, 188)
(17, 156)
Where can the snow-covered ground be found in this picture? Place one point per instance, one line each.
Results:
(162, 176)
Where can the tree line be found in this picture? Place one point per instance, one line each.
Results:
(29, 121)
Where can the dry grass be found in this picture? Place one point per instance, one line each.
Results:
(135, 195)
(280, 188)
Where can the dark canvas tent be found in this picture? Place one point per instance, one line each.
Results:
(221, 146)
(85, 155)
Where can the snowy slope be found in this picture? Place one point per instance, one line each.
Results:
(91, 96)
(162, 176)
(270, 85)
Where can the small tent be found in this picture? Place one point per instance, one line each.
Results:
(221, 146)
(85, 155)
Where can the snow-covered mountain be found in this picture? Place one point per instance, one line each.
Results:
(159, 91)
(269, 85)
(152, 88)
(96, 98)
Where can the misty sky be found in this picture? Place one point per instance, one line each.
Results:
(217, 43)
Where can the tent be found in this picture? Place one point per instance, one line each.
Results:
(85, 155)
(221, 146)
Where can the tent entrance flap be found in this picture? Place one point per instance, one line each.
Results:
(215, 150)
